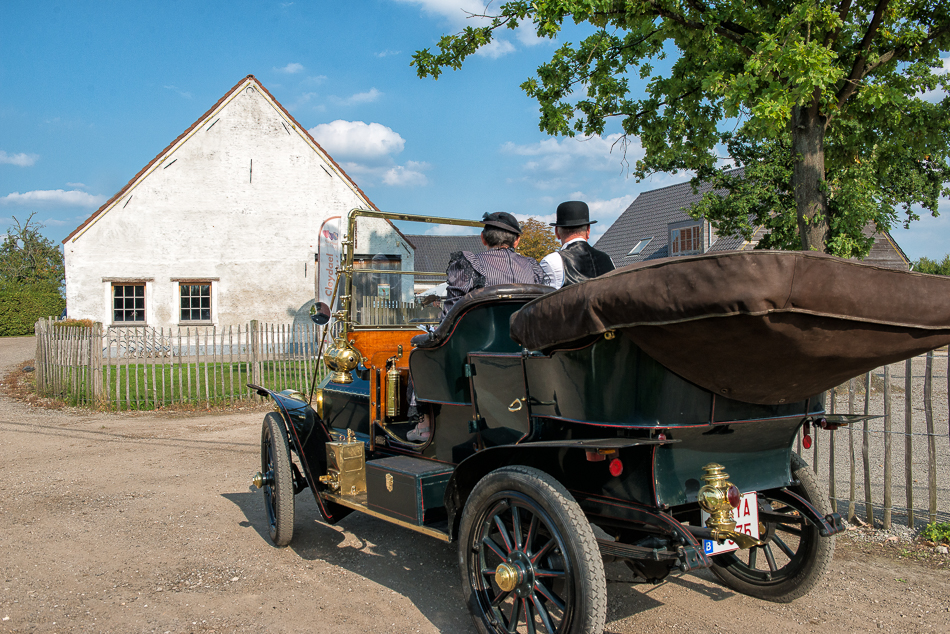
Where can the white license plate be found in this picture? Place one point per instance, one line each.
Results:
(746, 516)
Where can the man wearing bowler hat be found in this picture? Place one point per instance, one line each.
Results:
(576, 260)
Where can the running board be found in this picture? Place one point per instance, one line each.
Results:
(358, 503)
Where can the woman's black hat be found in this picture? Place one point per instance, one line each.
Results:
(573, 213)
(502, 220)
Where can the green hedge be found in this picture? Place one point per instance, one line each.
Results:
(21, 307)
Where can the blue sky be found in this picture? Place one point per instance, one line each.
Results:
(92, 91)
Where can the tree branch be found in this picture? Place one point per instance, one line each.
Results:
(699, 26)
(858, 69)
(843, 9)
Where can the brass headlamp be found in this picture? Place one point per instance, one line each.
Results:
(718, 497)
(341, 359)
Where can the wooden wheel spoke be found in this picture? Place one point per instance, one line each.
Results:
(769, 557)
(515, 617)
(532, 531)
(495, 548)
(753, 554)
(543, 551)
(528, 617)
(503, 531)
(543, 614)
(499, 598)
(783, 546)
(549, 595)
(544, 572)
(516, 526)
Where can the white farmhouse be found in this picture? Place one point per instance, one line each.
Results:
(221, 227)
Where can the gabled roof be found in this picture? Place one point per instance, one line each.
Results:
(223, 101)
(649, 216)
(433, 252)
(651, 213)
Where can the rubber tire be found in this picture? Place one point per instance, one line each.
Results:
(279, 496)
(590, 604)
(816, 558)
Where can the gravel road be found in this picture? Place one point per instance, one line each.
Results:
(147, 523)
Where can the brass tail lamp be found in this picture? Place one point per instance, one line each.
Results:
(718, 497)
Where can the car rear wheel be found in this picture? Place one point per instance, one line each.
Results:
(278, 480)
(795, 555)
(528, 557)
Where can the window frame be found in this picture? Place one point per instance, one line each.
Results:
(129, 284)
(640, 246)
(676, 241)
(182, 283)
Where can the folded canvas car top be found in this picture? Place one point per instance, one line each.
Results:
(757, 326)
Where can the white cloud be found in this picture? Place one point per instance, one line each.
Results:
(291, 69)
(387, 53)
(304, 100)
(408, 175)
(183, 93)
(528, 35)
(358, 140)
(496, 48)
(938, 93)
(52, 198)
(559, 156)
(452, 230)
(369, 96)
(21, 159)
(458, 12)
(76, 185)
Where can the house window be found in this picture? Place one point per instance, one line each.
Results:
(639, 246)
(686, 240)
(128, 303)
(195, 301)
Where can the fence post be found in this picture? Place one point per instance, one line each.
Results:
(866, 452)
(931, 439)
(95, 363)
(908, 442)
(887, 446)
(255, 356)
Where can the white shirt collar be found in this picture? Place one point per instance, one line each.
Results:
(564, 246)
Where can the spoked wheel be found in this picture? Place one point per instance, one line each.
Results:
(795, 555)
(278, 480)
(528, 557)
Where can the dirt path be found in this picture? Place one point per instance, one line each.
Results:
(148, 524)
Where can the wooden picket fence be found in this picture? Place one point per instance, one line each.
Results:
(136, 368)
(892, 468)
(867, 474)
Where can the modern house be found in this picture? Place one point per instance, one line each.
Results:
(656, 225)
(221, 226)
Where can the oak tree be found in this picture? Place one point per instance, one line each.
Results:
(537, 239)
(836, 110)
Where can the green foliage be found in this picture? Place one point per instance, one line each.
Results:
(21, 307)
(937, 532)
(865, 146)
(537, 239)
(31, 274)
(933, 267)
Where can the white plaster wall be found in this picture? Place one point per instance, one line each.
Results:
(207, 213)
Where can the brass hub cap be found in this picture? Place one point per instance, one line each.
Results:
(506, 576)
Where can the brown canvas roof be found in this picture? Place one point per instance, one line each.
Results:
(756, 326)
(194, 125)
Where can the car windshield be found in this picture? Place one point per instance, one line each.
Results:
(399, 270)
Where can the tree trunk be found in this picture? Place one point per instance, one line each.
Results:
(808, 178)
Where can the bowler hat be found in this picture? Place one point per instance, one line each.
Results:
(573, 213)
(502, 220)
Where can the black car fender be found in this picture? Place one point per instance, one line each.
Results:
(548, 456)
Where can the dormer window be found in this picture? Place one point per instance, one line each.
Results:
(640, 246)
(686, 239)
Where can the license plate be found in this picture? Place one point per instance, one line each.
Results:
(746, 516)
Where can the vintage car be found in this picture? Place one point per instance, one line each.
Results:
(647, 416)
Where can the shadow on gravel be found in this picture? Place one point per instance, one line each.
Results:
(417, 567)
(425, 570)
